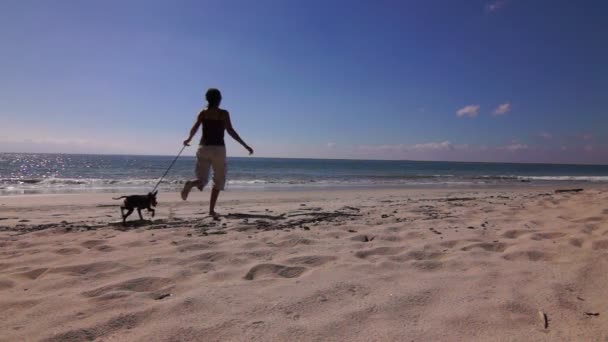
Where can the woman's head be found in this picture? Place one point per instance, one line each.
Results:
(214, 97)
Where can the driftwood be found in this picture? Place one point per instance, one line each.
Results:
(544, 319)
(452, 199)
(567, 190)
(254, 216)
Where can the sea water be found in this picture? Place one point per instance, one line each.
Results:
(66, 173)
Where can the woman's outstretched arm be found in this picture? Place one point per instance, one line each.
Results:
(234, 134)
(194, 129)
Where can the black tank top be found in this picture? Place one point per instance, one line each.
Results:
(213, 132)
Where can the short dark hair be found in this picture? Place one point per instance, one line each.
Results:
(214, 97)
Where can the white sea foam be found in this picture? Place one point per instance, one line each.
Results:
(65, 185)
(567, 178)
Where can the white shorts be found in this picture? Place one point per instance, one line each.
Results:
(211, 156)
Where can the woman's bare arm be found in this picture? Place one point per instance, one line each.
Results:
(194, 129)
(234, 134)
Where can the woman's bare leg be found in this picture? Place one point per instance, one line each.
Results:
(189, 185)
(214, 195)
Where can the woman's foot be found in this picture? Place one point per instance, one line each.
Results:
(215, 215)
(186, 190)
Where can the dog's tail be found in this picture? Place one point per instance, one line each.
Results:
(117, 198)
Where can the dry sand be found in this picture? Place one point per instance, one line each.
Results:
(357, 265)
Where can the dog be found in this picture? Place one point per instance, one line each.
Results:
(138, 202)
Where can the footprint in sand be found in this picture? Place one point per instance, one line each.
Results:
(208, 257)
(125, 321)
(363, 238)
(390, 238)
(135, 244)
(6, 284)
(486, 246)
(92, 268)
(427, 265)
(68, 251)
(400, 308)
(92, 243)
(414, 235)
(311, 260)
(204, 267)
(547, 236)
(23, 245)
(450, 244)
(378, 251)
(576, 242)
(421, 260)
(144, 284)
(518, 311)
(274, 271)
(266, 254)
(593, 219)
(417, 255)
(600, 244)
(532, 255)
(514, 234)
(33, 274)
(590, 228)
(251, 245)
(294, 242)
(330, 294)
(193, 247)
(105, 248)
(16, 307)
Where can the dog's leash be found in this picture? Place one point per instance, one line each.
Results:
(170, 166)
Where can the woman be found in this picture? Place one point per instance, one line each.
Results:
(212, 150)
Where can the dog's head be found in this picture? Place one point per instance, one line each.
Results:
(152, 198)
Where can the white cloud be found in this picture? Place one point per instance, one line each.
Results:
(331, 144)
(495, 5)
(385, 147)
(421, 147)
(440, 146)
(470, 111)
(545, 135)
(502, 109)
(516, 147)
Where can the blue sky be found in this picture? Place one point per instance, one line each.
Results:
(497, 80)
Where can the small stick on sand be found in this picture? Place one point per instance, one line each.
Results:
(567, 190)
(544, 319)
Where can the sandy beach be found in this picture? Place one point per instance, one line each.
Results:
(350, 265)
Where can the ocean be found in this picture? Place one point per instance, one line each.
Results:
(22, 173)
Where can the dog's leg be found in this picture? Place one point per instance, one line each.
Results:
(152, 211)
(139, 212)
(124, 217)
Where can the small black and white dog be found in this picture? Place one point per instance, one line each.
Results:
(138, 202)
